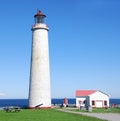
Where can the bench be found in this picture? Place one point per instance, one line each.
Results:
(12, 109)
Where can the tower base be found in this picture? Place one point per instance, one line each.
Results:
(39, 107)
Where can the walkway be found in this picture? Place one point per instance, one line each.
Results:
(105, 116)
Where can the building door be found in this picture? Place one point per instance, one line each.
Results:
(99, 104)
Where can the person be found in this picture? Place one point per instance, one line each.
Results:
(113, 105)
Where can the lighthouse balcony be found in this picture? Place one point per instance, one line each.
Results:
(40, 26)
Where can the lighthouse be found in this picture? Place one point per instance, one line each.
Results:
(39, 87)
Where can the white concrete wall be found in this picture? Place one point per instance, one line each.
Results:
(39, 92)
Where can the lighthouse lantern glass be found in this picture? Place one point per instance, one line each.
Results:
(40, 19)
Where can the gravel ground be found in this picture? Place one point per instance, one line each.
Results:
(105, 116)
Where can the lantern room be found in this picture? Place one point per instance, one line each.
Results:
(39, 17)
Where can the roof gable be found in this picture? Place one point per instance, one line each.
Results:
(85, 92)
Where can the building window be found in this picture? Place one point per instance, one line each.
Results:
(93, 102)
(105, 102)
(84, 101)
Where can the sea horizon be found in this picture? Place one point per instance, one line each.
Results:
(23, 103)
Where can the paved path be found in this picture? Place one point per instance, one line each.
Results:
(105, 116)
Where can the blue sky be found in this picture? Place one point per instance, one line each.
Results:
(84, 43)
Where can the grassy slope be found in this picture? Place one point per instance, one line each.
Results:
(43, 115)
(109, 110)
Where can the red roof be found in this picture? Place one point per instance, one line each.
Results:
(84, 92)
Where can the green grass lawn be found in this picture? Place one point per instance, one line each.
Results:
(43, 115)
(109, 110)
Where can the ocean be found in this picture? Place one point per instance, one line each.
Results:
(23, 103)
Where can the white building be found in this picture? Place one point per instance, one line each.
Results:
(94, 98)
(39, 90)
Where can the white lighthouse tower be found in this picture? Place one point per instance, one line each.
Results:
(39, 90)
